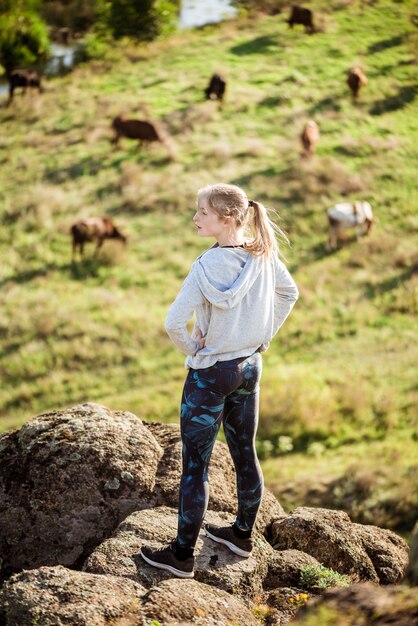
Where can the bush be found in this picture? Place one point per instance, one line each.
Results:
(24, 39)
(144, 20)
(320, 577)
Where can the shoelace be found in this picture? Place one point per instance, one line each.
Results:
(170, 547)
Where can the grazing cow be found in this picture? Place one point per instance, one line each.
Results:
(216, 88)
(134, 129)
(355, 80)
(300, 15)
(24, 79)
(349, 215)
(94, 229)
(141, 130)
(310, 138)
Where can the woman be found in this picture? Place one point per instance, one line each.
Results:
(241, 294)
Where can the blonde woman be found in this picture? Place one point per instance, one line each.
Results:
(241, 293)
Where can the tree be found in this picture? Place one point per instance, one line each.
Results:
(141, 19)
(23, 35)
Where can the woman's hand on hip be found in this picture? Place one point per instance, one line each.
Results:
(199, 337)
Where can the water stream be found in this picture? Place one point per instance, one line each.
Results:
(195, 13)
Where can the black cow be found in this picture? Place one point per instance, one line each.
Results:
(216, 88)
(24, 79)
(300, 15)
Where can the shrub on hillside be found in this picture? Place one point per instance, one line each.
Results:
(24, 38)
(140, 20)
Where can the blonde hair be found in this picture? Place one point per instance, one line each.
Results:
(231, 201)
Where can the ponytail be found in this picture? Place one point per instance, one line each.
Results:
(263, 231)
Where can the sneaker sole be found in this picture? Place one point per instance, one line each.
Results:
(168, 568)
(227, 543)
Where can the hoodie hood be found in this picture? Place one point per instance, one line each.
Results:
(225, 275)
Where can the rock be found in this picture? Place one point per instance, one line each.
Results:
(284, 568)
(215, 564)
(67, 478)
(52, 596)
(413, 557)
(362, 604)
(327, 535)
(284, 603)
(388, 552)
(180, 601)
(222, 478)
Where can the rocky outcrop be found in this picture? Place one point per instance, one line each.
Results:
(362, 605)
(215, 564)
(52, 596)
(67, 478)
(364, 553)
(190, 602)
(285, 567)
(86, 487)
(387, 552)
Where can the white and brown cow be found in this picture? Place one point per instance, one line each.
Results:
(349, 215)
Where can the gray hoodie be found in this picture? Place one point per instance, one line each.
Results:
(240, 301)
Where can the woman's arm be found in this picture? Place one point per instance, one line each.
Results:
(180, 312)
(285, 295)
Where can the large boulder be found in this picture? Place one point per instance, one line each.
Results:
(285, 568)
(177, 601)
(215, 564)
(388, 552)
(222, 477)
(67, 478)
(336, 542)
(53, 596)
(362, 604)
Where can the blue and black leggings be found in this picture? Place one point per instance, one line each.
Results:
(227, 392)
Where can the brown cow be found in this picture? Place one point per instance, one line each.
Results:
(310, 138)
(135, 129)
(94, 229)
(24, 79)
(355, 80)
(300, 15)
(216, 88)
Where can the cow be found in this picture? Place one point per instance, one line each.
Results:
(141, 130)
(309, 138)
(216, 88)
(355, 80)
(24, 79)
(348, 215)
(300, 15)
(94, 229)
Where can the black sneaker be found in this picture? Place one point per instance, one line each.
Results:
(226, 535)
(165, 558)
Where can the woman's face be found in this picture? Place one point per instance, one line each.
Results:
(208, 223)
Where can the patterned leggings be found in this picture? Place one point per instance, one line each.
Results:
(227, 392)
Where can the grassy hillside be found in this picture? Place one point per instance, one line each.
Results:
(340, 380)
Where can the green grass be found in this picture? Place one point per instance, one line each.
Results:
(342, 373)
(318, 577)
